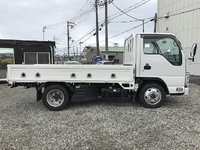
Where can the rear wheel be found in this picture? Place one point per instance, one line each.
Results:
(55, 97)
(152, 95)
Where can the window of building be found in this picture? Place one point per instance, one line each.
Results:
(116, 61)
(6, 57)
(36, 58)
(30, 58)
(43, 58)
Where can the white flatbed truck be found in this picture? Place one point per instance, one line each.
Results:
(154, 66)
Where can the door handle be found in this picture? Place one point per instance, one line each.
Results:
(147, 67)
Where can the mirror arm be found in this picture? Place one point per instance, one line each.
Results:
(192, 59)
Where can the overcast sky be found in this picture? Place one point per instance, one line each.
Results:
(25, 19)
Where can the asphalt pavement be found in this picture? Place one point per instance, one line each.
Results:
(195, 80)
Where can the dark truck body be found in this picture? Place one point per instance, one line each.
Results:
(24, 52)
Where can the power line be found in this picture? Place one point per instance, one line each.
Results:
(126, 13)
(87, 38)
(89, 13)
(149, 19)
(137, 19)
(129, 21)
(85, 35)
(78, 16)
(125, 31)
(81, 21)
(180, 13)
(128, 9)
(83, 12)
(129, 29)
(80, 11)
(125, 21)
(118, 14)
(87, 5)
(90, 33)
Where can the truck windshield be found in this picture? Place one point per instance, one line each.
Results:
(165, 46)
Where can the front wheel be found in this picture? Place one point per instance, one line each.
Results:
(55, 97)
(152, 95)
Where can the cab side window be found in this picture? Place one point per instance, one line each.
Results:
(149, 48)
(165, 46)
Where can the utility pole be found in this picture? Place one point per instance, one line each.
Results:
(106, 2)
(155, 22)
(43, 31)
(143, 25)
(106, 28)
(97, 27)
(77, 51)
(54, 38)
(69, 24)
(155, 19)
(80, 46)
(68, 39)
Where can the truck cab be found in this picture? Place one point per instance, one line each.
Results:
(158, 58)
(160, 66)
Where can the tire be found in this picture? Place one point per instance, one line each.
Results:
(152, 95)
(55, 97)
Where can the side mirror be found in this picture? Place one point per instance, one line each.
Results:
(193, 52)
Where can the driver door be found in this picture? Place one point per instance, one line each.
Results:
(162, 58)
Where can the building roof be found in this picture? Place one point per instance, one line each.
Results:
(112, 49)
(14, 42)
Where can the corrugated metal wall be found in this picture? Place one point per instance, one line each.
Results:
(183, 21)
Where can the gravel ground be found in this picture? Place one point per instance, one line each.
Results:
(27, 124)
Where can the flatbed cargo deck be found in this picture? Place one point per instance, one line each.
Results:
(71, 74)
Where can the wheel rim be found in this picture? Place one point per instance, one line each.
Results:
(55, 97)
(152, 96)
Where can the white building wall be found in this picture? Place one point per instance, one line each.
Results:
(186, 26)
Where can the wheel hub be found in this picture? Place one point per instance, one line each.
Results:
(152, 96)
(55, 97)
